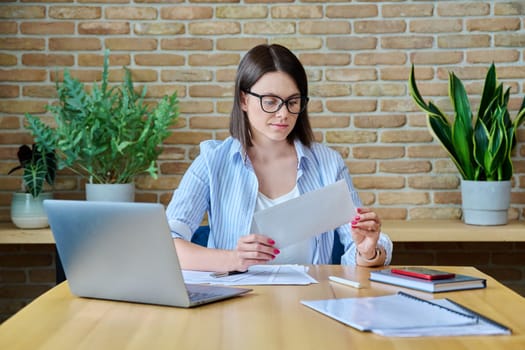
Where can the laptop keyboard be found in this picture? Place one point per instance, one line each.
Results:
(196, 296)
(200, 292)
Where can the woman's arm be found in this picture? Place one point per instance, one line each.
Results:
(251, 250)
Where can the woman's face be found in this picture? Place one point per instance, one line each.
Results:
(274, 126)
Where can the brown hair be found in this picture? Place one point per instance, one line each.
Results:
(258, 61)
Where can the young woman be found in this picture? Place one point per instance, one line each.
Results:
(270, 157)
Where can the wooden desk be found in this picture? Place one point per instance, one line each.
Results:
(270, 317)
(398, 230)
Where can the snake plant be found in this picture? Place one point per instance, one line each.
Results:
(479, 145)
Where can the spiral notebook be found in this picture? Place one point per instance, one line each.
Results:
(406, 315)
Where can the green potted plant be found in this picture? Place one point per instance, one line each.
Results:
(39, 167)
(107, 134)
(480, 145)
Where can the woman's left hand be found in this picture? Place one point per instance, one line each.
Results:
(366, 227)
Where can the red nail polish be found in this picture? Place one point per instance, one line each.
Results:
(359, 210)
(353, 223)
(357, 218)
(271, 241)
(276, 251)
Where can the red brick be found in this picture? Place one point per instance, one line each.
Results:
(462, 258)
(43, 60)
(22, 44)
(351, 11)
(9, 91)
(97, 60)
(47, 28)
(43, 275)
(508, 258)
(131, 44)
(23, 291)
(75, 12)
(296, 12)
(25, 260)
(22, 12)
(186, 12)
(21, 107)
(8, 27)
(74, 44)
(12, 276)
(131, 12)
(106, 28)
(186, 44)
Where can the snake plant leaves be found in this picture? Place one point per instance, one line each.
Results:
(479, 145)
(438, 122)
(462, 129)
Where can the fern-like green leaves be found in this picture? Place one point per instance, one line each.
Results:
(108, 133)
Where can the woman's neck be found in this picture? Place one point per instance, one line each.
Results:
(268, 151)
(275, 165)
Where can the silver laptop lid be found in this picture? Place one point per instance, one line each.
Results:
(117, 251)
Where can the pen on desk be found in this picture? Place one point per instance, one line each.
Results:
(345, 281)
(227, 273)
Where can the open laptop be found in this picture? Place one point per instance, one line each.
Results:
(124, 251)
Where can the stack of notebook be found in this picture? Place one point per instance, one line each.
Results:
(448, 283)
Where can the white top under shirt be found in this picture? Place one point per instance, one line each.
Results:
(298, 253)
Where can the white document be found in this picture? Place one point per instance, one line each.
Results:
(405, 315)
(308, 215)
(389, 312)
(256, 275)
(484, 326)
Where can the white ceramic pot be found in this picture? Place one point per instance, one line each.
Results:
(110, 192)
(28, 212)
(485, 202)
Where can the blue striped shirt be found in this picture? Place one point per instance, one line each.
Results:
(221, 181)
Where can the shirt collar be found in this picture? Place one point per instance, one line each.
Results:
(303, 152)
(236, 150)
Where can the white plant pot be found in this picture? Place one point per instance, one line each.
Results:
(485, 203)
(28, 212)
(110, 192)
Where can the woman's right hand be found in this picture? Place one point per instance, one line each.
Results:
(254, 249)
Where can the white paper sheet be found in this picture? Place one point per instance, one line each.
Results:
(256, 275)
(405, 315)
(390, 313)
(308, 215)
(482, 327)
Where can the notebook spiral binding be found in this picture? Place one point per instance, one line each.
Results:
(474, 317)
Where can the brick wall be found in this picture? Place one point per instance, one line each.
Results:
(357, 55)
(26, 271)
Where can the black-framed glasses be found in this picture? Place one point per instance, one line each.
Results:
(272, 103)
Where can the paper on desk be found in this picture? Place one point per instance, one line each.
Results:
(307, 215)
(256, 275)
(482, 327)
(389, 313)
(405, 315)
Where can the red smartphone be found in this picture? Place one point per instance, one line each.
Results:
(423, 273)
